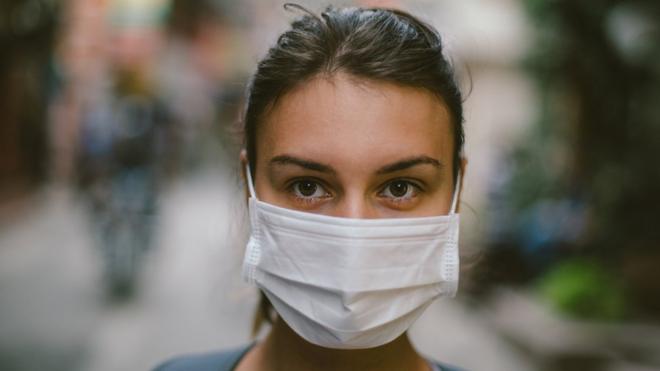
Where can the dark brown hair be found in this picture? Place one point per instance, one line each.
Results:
(376, 44)
(367, 43)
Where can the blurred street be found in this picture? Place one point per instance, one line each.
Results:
(54, 315)
(122, 218)
(53, 312)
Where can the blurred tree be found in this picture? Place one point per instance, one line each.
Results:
(585, 182)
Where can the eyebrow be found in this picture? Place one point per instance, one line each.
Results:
(323, 168)
(307, 164)
(408, 163)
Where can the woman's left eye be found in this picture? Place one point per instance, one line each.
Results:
(400, 190)
(308, 189)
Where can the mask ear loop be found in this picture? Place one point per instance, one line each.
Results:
(253, 194)
(454, 200)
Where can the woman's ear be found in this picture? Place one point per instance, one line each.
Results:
(463, 165)
(243, 164)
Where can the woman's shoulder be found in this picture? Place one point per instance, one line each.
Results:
(225, 360)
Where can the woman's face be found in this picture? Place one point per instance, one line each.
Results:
(354, 148)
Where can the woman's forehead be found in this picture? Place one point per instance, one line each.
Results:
(340, 119)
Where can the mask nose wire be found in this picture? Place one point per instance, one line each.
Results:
(250, 184)
(454, 200)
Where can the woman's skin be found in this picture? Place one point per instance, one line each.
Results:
(342, 146)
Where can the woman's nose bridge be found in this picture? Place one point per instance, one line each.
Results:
(355, 205)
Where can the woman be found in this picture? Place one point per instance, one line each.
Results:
(353, 142)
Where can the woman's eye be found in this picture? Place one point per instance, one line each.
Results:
(400, 190)
(308, 189)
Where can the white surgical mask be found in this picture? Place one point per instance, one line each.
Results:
(350, 283)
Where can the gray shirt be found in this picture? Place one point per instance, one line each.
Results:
(229, 359)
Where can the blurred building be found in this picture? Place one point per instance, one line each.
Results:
(28, 80)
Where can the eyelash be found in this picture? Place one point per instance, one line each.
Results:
(291, 188)
(416, 189)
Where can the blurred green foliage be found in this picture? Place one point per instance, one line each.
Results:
(583, 289)
(584, 181)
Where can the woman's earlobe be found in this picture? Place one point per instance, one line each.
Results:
(464, 162)
(242, 157)
(243, 160)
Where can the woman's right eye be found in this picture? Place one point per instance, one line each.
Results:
(308, 189)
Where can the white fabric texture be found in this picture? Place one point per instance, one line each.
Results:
(350, 283)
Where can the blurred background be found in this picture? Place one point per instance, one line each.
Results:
(122, 222)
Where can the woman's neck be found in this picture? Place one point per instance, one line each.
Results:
(284, 350)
